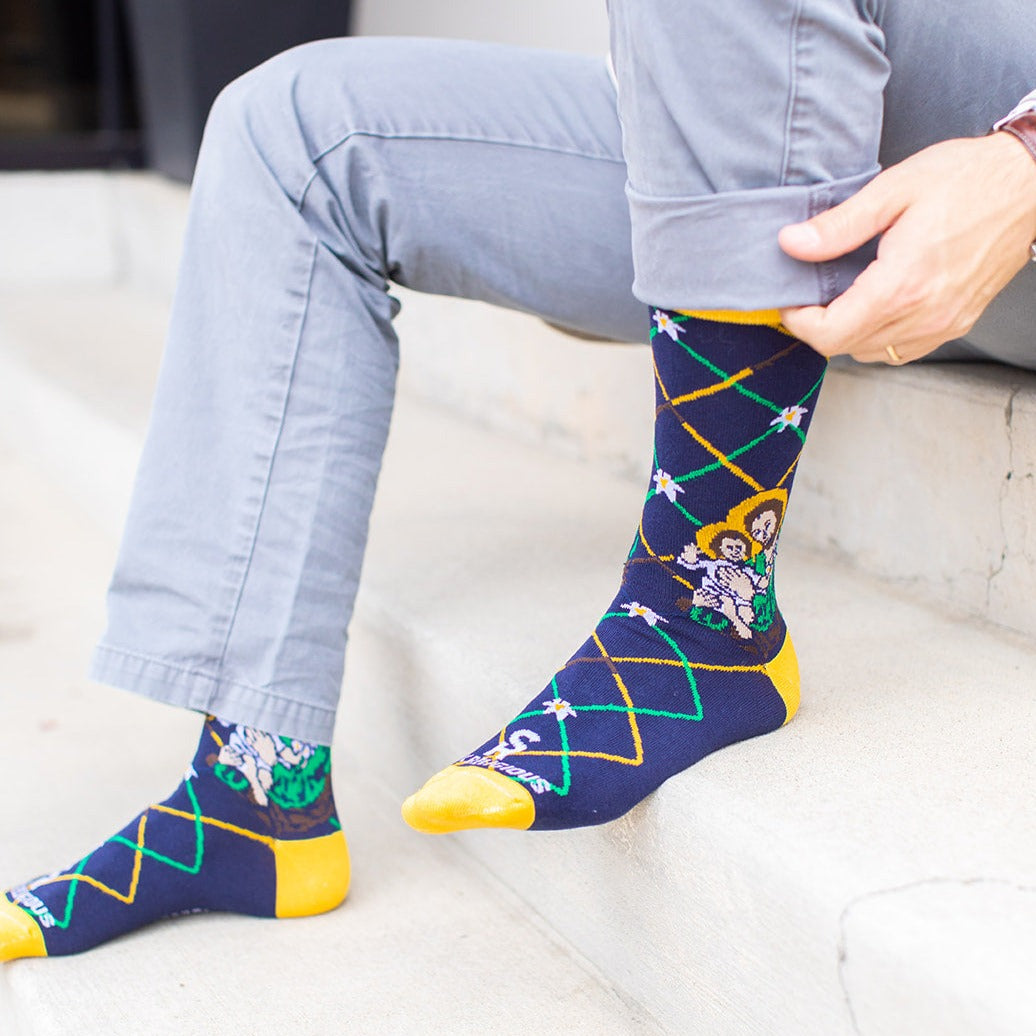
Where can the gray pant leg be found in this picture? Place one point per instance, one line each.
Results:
(737, 119)
(740, 118)
(487, 172)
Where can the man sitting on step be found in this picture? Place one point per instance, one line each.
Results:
(708, 181)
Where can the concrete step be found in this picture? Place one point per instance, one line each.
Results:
(415, 949)
(91, 228)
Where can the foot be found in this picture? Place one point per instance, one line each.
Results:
(692, 654)
(252, 829)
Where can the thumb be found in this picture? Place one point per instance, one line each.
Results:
(839, 230)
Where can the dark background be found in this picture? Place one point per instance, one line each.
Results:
(124, 83)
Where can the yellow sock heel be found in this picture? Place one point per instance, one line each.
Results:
(783, 671)
(312, 874)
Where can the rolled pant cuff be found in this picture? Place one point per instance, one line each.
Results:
(720, 251)
(190, 689)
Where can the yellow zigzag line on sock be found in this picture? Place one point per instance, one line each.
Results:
(711, 390)
(638, 758)
(663, 558)
(674, 662)
(638, 744)
(704, 443)
(222, 824)
(130, 897)
(791, 468)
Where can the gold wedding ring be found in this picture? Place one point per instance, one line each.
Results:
(893, 356)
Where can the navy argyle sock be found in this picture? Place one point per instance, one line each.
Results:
(692, 654)
(252, 829)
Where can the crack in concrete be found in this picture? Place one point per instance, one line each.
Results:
(865, 897)
(1005, 488)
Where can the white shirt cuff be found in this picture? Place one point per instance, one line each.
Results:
(1026, 104)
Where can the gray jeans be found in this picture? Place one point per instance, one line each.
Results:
(497, 174)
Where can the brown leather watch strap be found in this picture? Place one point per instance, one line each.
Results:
(1024, 128)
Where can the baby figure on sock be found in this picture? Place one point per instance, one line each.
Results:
(692, 654)
(728, 584)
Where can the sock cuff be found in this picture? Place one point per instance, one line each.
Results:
(755, 317)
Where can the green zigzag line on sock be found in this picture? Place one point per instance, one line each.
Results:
(195, 868)
(721, 374)
(696, 717)
(716, 465)
(732, 455)
(687, 668)
(70, 900)
(724, 376)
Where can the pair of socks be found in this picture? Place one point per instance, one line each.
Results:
(691, 655)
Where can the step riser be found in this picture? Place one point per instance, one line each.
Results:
(92, 457)
(91, 228)
(922, 476)
(929, 484)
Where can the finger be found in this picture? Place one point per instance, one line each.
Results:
(803, 322)
(896, 358)
(897, 351)
(845, 227)
(852, 321)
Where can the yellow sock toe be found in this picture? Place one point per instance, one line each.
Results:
(462, 797)
(20, 935)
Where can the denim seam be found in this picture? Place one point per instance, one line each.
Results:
(221, 681)
(827, 273)
(793, 91)
(449, 137)
(269, 466)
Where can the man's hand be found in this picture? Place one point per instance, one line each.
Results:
(956, 221)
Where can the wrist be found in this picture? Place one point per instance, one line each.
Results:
(1021, 129)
